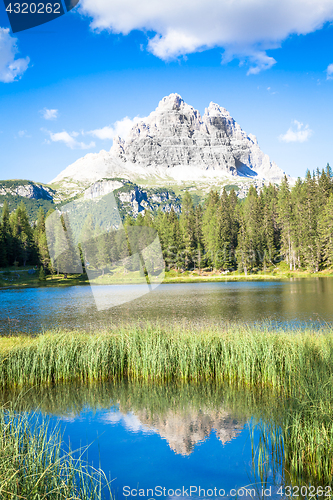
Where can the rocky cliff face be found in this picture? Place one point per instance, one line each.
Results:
(131, 198)
(176, 142)
(26, 189)
(176, 136)
(102, 188)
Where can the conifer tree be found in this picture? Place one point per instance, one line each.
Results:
(270, 230)
(224, 227)
(286, 222)
(22, 235)
(198, 258)
(309, 211)
(325, 229)
(7, 237)
(66, 256)
(41, 241)
(250, 243)
(3, 254)
(187, 228)
(172, 240)
(234, 224)
(88, 243)
(41, 276)
(210, 223)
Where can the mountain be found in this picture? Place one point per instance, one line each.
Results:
(34, 195)
(176, 146)
(171, 151)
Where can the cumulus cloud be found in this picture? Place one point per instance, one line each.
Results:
(297, 133)
(120, 127)
(69, 139)
(244, 29)
(329, 72)
(10, 67)
(49, 114)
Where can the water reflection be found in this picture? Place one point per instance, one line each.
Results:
(294, 302)
(183, 416)
(215, 436)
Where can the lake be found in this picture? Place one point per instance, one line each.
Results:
(295, 303)
(168, 437)
(153, 437)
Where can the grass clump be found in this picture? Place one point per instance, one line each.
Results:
(35, 466)
(296, 367)
(241, 355)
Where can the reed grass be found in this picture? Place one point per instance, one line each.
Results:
(240, 355)
(296, 367)
(34, 464)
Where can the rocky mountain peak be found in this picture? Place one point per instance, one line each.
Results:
(176, 142)
(172, 101)
(216, 110)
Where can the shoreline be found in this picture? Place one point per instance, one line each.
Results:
(14, 279)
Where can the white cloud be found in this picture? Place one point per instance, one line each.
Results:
(69, 139)
(120, 127)
(329, 72)
(23, 133)
(103, 133)
(49, 114)
(297, 133)
(245, 29)
(10, 68)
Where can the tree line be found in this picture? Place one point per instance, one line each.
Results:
(293, 224)
(21, 242)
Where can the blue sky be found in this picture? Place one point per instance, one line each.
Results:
(65, 85)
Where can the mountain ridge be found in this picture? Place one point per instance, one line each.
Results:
(175, 144)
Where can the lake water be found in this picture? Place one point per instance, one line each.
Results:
(162, 437)
(293, 302)
(167, 437)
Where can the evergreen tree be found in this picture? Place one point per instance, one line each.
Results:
(234, 225)
(172, 240)
(66, 256)
(41, 276)
(22, 235)
(270, 230)
(3, 254)
(210, 223)
(325, 229)
(41, 241)
(224, 228)
(286, 222)
(251, 238)
(198, 258)
(187, 229)
(88, 243)
(308, 209)
(7, 238)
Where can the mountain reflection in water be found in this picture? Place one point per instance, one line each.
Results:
(182, 431)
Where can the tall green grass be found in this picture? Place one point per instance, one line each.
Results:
(239, 355)
(34, 464)
(296, 367)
